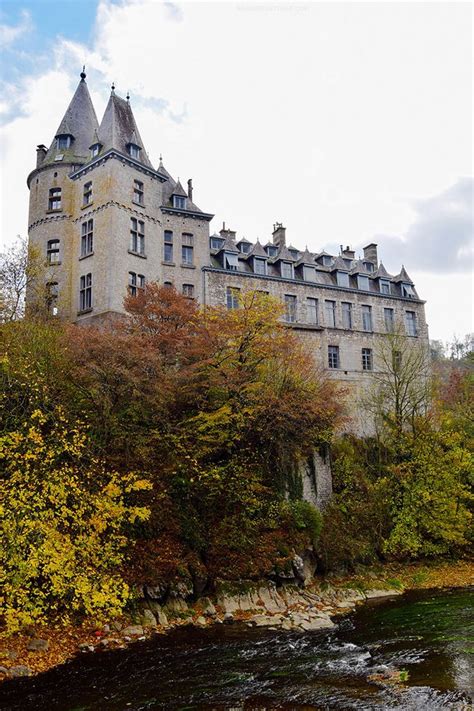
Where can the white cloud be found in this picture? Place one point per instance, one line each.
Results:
(9, 34)
(327, 117)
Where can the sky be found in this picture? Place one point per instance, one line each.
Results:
(350, 123)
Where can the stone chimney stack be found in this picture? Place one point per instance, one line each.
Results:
(40, 154)
(225, 232)
(348, 253)
(279, 234)
(190, 189)
(370, 253)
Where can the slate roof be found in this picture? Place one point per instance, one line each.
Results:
(340, 265)
(118, 128)
(174, 187)
(257, 251)
(79, 121)
(306, 257)
(403, 276)
(179, 190)
(360, 268)
(381, 273)
(284, 254)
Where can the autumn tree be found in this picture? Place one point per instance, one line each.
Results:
(22, 271)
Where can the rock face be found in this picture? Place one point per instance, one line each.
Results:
(372, 594)
(133, 631)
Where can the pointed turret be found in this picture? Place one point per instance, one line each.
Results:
(179, 190)
(118, 130)
(75, 133)
(403, 276)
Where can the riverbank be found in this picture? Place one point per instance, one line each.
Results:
(289, 607)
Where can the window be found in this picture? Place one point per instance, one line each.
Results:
(188, 239)
(407, 291)
(259, 265)
(294, 253)
(333, 356)
(389, 320)
(271, 250)
(52, 252)
(87, 238)
(330, 313)
(232, 297)
(342, 279)
(363, 282)
(137, 236)
(54, 202)
(87, 194)
(179, 202)
(63, 142)
(286, 270)
(134, 150)
(187, 256)
(290, 306)
(244, 247)
(367, 359)
(231, 261)
(366, 318)
(369, 266)
(346, 314)
(188, 290)
(135, 282)
(168, 284)
(95, 149)
(138, 192)
(384, 286)
(312, 310)
(410, 323)
(309, 273)
(168, 249)
(327, 260)
(216, 242)
(52, 293)
(85, 293)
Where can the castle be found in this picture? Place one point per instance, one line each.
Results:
(107, 221)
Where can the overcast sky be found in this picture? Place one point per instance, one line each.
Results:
(348, 122)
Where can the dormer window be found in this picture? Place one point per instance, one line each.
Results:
(216, 242)
(347, 262)
(342, 278)
(286, 270)
(179, 202)
(95, 149)
(327, 260)
(363, 282)
(134, 150)
(244, 247)
(384, 286)
(294, 253)
(231, 261)
(63, 142)
(407, 291)
(259, 265)
(271, 250)
(309, 273)
(369, 266)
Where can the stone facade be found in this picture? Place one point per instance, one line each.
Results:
(121, 223)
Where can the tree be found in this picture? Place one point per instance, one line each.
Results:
(21, 271)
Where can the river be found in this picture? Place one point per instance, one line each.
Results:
(429, 634)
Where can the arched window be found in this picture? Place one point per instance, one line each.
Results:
(52, 252)
(52, 292)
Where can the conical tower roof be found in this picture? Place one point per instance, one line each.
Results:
(79, 122)
(381, 272)
(179, 190)
(118, 129)
(403, 276)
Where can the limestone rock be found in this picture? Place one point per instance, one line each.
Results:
(228, 618)
(208, 608)
(319, 623)
(148, 619)
(372, 594)
(37, 645)
(201, 620)
(133, 631)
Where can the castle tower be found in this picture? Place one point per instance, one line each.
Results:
(104, 220)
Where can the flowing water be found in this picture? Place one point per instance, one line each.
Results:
(428, 634)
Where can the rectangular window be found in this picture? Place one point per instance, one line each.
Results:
(52, 252)
(216, 243)
(188, 290)
(168, 246)
(309, 273)
(363, 283)
(138, 192)
(187, 256)
(232, 297)
(312, 310)
(384, 286)
(259, 265)
(135, 282)
(333, 356)
(87, 194)
(410, 323)
(188, 239)
(342, 279)
(85, 292)
(179, 202)
(87, 238)
(231, 261)
(327, 260)
(52, 293)
(366, 318)
(346, 314)
(54, 202)
(63, 142)
(290, 308)
(286, 270)
(407, 291)
(137, 236)
(389, 320)
(330, 313)
(367, 359)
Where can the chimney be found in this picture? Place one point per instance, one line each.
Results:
(348, 253)
(40, 154)
(370, 253)
(224, 233)
(279, 234)
(190, 189)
